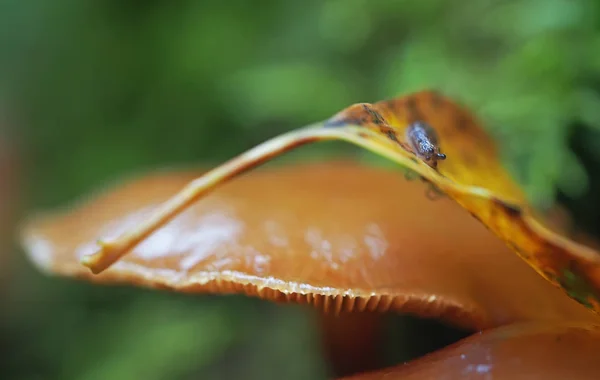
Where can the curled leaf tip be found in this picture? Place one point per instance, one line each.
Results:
(89, 261)
(106, 255)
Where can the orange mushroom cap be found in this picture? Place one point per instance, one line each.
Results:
(517, 352)
(341, 236)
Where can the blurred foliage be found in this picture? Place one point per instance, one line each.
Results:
(102, 89)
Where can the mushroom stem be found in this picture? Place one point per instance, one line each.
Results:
(353, 341)
(110, 251)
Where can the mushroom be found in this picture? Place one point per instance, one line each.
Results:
(549, 351)
(341, 236)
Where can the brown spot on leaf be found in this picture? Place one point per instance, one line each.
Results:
(376, 117)
(413, 109)
(437, 100)
(512, 210)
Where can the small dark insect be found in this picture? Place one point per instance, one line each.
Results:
(424, 141)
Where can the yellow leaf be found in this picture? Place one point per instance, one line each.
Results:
(471, 174)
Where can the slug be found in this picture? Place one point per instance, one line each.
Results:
(423, 140)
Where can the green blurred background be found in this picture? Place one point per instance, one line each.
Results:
(92, 91)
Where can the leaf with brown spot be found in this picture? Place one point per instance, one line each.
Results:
(314, 234)
(471, 175)
(521, 351)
